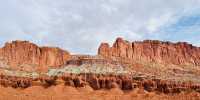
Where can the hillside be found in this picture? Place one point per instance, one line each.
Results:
(152, 66)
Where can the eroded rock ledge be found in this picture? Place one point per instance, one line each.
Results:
(98, 81)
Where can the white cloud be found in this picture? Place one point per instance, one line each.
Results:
(156, 22)
(80, 25)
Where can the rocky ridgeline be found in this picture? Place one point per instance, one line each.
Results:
(19, 54)
(26, 56)
(180, 53)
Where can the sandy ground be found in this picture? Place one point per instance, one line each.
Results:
(61, 92)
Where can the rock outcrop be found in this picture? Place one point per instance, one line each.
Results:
(98, 81)
(180, 53)
(126, 82)
(23, 55)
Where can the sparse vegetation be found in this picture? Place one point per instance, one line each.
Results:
(47, 81)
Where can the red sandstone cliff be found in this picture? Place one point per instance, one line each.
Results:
(152, 51)
(24, 53)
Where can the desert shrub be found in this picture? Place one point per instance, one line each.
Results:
(48, 81)
(20, 83)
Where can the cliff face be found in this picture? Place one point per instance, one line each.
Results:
(24, 53)
(152, 51)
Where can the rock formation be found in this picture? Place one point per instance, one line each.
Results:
(180, 53)
(97, 81)
(111, 70)
(23, 54)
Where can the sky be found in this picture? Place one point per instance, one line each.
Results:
(79, 26)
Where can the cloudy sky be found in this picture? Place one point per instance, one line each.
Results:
(80, 25)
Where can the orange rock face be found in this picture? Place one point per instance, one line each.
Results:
(179, 53)
(19, 54)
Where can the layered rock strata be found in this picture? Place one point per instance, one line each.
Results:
(23, 54)
(98, 81)
(180, 53)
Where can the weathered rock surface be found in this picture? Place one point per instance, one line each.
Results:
(23, 54)
(98, 81)
(180, 53)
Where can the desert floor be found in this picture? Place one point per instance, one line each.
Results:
(61, 92)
